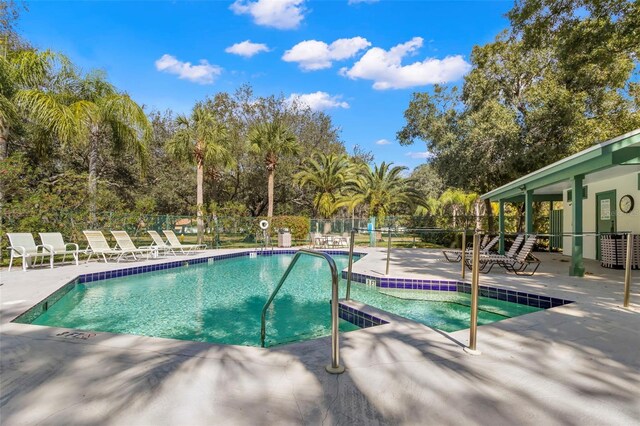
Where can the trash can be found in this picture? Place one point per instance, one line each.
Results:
(613, 251)
(284, 238)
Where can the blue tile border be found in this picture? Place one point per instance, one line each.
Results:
(522, 298)
(357, 317)
(35, 311)
(105, 275)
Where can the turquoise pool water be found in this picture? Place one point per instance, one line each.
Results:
(222, 302)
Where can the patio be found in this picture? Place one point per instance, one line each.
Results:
(574, 364)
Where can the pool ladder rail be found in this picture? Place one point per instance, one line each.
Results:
(266, 243)
(334, 367)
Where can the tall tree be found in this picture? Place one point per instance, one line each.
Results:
(26, 95)
(200, 139)
(106, 117)
(383, 189)
(273, 140)
(327, 175)
(534, 95)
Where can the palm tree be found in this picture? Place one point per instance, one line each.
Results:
(327, 175)
(272, 140)
(383, 188)
(105, 116)
(26, 79)
(459, 202)
(25, 93)
(200, 139)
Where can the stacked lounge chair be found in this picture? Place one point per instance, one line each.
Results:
(516, 261)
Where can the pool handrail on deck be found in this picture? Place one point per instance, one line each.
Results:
(334, 367)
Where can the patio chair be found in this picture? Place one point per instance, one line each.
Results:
(160, 244)
(54, 243)
(125, 243)
(455, 256)
(520, 264)
(99, 246)
(488, 261)
(22, 245)
(175, 243)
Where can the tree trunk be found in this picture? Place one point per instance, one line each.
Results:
(200, 199)
(4, 134)
(489, 213)
(455, 213)
(93, 176)
(270, 193)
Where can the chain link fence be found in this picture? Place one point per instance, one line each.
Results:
(244, 232)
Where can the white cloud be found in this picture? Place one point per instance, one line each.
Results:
(383, 142)
(247, 48)
(352, 2)
(316, 55)
(318, 101)
(205, 73)
(387, 72)
(280, 14)
(419, 155)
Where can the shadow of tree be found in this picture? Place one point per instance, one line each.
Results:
(574, 364)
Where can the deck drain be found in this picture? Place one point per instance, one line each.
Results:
(76, 335)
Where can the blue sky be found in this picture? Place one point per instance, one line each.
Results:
(359, 61)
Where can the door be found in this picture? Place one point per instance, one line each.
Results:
(605, 215)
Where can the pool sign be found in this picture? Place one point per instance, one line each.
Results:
(605, 209)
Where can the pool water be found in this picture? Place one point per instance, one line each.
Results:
(222, 303)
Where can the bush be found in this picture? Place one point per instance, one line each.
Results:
(298, 225)
(448, 239)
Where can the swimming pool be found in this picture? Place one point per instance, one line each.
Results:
(220, 302)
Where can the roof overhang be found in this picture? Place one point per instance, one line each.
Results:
(549, 182)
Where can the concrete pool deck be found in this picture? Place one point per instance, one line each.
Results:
(574, 364)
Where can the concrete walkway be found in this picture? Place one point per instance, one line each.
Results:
(576, 364)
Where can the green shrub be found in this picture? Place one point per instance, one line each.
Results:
(297, 225)
(442, 238)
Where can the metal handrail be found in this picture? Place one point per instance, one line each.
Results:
(334, 367)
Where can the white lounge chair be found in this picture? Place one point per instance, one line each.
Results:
(125, 243)
(160, 243)
(54, 243)
(23, 245)
(175, 243)
(99, 246)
